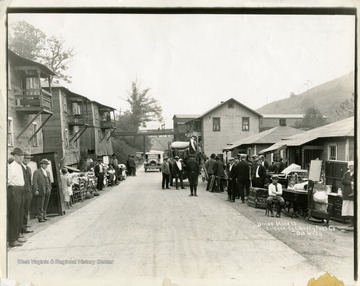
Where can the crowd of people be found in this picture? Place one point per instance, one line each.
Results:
(23, 186)
(236, 177)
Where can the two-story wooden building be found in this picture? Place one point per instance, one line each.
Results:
(180, 127)
(30, 106)
(96, 139)
(63, 131)
(227, 122)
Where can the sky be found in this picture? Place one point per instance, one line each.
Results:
(193, 62)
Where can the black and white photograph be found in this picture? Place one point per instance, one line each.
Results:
(179, 145)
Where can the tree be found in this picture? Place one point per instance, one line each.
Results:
(312, 119)
(346, 108)
(143, 108)
(57, 57)
(33, 44)
(26, 40)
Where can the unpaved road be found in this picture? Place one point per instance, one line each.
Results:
(138, 234)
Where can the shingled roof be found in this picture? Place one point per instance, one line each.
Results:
(270, 136)
(342, 128)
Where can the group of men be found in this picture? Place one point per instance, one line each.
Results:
(176, 169)
(113, 172)
(22, 186)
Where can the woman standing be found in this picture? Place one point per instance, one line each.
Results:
(348, 193)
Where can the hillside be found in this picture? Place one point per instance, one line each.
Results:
(327, 97)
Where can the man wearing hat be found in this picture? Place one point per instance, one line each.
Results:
(28, 192)
(232, 190)
(165, 170)
(193, 171)
(209, 168)
(259, 175)
(99, 174)
(42, 189)
(15, 195)
(178, 171)
(275, 195)
(242, 177)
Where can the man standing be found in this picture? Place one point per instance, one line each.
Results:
(15, 195)
(209, 168)
(99, 174)
(219, 173)
(115, 164)
(232, 180)
(259, 175)
(242, 177)
(42, 189)
(193, 170)
(281, 166)
(28, 192)
(165, 170)
(178, 169)
(264, 162)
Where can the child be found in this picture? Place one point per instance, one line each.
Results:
(66, 184)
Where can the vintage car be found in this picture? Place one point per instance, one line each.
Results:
(153, 160)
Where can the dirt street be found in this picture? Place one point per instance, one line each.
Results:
(138, 234)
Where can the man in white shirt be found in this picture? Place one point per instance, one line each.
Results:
(15, 198)
(275, 196)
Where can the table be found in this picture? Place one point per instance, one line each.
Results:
(297, 200)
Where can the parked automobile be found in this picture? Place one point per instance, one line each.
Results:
(153, 160)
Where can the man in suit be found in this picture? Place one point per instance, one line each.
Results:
(209, 168)
(99, 174)
(259, 178)
(243, 177)
(232, 189)
(42, 189)
(178, 169)
(219, 173)
(28, 192)
(193, 170)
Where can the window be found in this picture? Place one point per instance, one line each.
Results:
(282, 122)
(35, 139)
(245, 124)
(10, 132)
(76, 108)
(66, 137)
(231, 105)
(216, 123)
(332, 152)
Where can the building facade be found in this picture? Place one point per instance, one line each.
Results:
(223, 124)
(29, 105)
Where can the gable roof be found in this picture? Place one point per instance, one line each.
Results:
(342, 128)
(186, 116)
(225, 102)
(269, 136)
(20, 61)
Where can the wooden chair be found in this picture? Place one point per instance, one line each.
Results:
(269, 210)
(314, 213)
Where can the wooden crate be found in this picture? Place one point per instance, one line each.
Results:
(257, 198)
